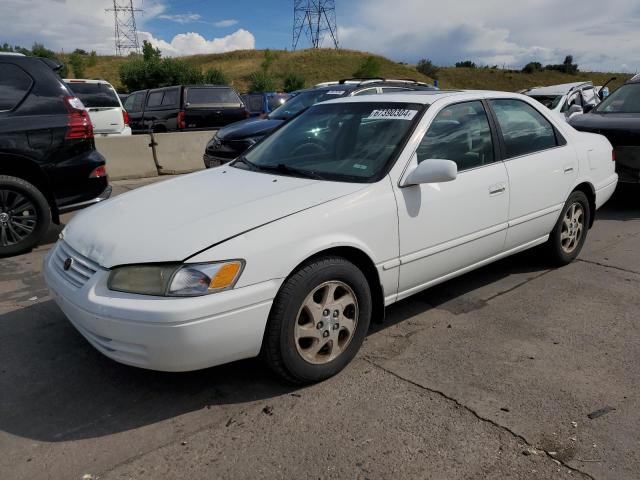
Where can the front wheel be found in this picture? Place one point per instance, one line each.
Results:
(569, 234)
(318, 321)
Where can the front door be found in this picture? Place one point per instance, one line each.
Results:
(446, 227)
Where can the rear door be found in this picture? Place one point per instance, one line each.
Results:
(210, 107)
(103, 104)
(542, 169)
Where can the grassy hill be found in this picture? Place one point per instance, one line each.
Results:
(323, 65)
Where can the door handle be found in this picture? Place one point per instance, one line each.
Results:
(568, 168)
(497, 189)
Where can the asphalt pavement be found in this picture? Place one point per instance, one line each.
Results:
(514, 371)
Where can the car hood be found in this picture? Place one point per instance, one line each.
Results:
(248, 128)
(174, 219)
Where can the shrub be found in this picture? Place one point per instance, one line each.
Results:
(76, 60)
(215, 77)
(532, 67)
(92, 59)
(260, 82)
(426, 67)
(137, 74)
(466, 64)
(370, 67)
(293, 82)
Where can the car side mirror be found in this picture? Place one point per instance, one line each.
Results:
(573, 109)
(431, 171)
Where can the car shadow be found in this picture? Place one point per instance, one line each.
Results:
(624, 205)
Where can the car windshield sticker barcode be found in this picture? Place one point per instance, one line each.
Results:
(335, 92)
(394, 113)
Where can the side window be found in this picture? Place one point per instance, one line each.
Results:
(170, 97)
(138, 102)
(393, 89)
(368, 91)
(524, 129)
(128, 103)
(14, 86)
(460, 133)
(155, 99)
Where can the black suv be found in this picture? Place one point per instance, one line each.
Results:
(48, 161)
(184, 107)
(618, 119)
(231, 141)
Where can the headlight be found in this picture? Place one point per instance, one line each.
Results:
(183, 280)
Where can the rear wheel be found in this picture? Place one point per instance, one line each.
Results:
(569, 234)
(24, 215)
(318, 321)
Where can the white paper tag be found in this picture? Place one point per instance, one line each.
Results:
(394, 113)
(335, 92)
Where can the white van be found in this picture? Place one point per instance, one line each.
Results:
(108, 116)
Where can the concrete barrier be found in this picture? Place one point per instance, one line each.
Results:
(181, 152)
(127, 157)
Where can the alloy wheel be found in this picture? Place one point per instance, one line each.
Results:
(326, 322)
(18, 217)
(572, 227)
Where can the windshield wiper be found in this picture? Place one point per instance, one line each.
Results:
(288, 170)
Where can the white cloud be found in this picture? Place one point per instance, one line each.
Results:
(182, 17)
(225, 23)
(193, 43)
(498, 31)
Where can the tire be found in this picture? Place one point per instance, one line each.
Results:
(25, 215)
(568, 236)
(302, 344)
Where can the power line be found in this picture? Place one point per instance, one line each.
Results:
(317, 20)
(126, 33)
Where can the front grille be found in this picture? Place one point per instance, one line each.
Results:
(80, 268)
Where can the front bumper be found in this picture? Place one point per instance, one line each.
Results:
(158, 333)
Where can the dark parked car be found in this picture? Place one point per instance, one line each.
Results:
(618, 119)
(184, 107)
(263, 103)
(48, 161)
(231, 141)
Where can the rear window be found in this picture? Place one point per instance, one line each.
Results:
(276, 100)
(95, 95)
(253, 102)
(212, 96)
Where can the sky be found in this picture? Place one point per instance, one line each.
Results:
(602, 36)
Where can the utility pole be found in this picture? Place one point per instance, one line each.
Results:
(126, 34)
(316, 19)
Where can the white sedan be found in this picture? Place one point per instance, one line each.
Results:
(292, 249)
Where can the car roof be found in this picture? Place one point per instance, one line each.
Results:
(13, 54)
(561, 89)
(424, 97)
(85, 80)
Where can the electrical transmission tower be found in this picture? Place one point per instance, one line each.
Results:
(126, 34)
(316, 19)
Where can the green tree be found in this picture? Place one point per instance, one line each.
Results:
(149, 52)
(260, 82)
(77, 62)
(466, 64)
(426, 67)
(293, 82)
(215, 76)
(92, 59)
(369, 68)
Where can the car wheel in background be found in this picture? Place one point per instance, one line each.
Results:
(24, 215)
(318, 321)
(569, 234)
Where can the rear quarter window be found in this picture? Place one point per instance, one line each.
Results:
(15, 84)
(212, 96)
(155, 99)
(95, 95)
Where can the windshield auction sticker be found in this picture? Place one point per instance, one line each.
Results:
(394, 114)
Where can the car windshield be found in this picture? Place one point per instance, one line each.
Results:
(95, 95)
(549, 101)
(624, 100)
(200, 96)
(303, 100)
(350, 142)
